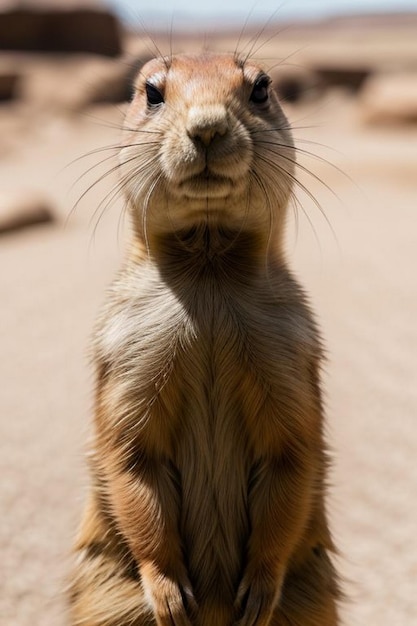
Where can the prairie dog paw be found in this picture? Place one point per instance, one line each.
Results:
(171, 603)
(257, 597)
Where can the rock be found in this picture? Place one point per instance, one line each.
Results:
(293, 84)
(20, 209)
(390, 99)
(105, 80)
(9, 77)
(88, 80)
(305, 83)
(59, 27)
(8, 84)
(342, 75)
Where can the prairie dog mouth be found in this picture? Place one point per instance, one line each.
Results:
(206, 185)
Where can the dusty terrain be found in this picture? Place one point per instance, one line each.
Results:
(357, 260)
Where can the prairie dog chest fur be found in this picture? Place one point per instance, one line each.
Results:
(206, 386)
(209, 460)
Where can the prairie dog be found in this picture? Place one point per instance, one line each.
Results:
(208, 469)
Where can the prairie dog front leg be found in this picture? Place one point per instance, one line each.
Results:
(146, 504)
(279, 505)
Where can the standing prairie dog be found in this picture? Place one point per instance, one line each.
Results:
(207, 505)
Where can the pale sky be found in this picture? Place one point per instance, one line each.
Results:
(258, 9)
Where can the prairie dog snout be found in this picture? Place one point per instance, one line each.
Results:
(204, 123)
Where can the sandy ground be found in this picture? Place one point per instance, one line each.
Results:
(362, 285)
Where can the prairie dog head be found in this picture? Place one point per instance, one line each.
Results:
(206, 142)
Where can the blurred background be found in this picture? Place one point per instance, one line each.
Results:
(346, 72)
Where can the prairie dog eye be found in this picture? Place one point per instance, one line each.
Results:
(260, 92)
(153, 95)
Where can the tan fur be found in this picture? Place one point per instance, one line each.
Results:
(209, 463)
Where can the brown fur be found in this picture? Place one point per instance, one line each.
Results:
(209, 463)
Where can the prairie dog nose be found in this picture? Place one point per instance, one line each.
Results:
(205, 122)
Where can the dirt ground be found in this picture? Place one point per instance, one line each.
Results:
(357, 260)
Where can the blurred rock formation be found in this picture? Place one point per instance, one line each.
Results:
(390, 99)
(22, 208)
(64, 26)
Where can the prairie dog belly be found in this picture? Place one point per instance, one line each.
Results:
(182, 394)
(190, 372)
(211, 457)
